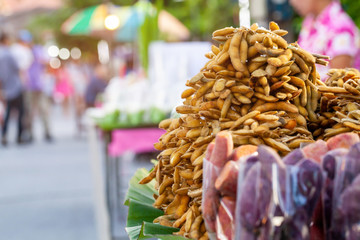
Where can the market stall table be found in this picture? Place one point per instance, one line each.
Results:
(138, 140)
(107, 171)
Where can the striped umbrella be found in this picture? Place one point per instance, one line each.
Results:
(91, 21)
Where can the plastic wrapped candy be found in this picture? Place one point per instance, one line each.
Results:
(220, 173)
(345, 207)
(277, 201)
(263, 197)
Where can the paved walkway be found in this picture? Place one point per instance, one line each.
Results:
(46, 189)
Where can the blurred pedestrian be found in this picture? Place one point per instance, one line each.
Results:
(39, 101)
(2, 110)
(48, 82)
(63, 89)
(21, 50)
(97, 85)
(328, 30)
(79, 74)
(11, 89)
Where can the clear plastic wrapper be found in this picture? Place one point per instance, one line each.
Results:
(211, 197)
(256, 195)
(225, 219)
(276, 201)
(331, 164)
(220, 173)
(217, 155)
(343, 195)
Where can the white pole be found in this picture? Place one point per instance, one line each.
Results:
(244, 14)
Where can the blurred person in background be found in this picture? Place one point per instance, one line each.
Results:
(21, 50)
(79, 74)
(11, 89)
(63, 91)
(38, 101)
(48, 82)
(97, 84)
(2, 111)
(127, 67)
(328, 30)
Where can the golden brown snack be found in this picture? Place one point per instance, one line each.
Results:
(257, 87)
(339, 104)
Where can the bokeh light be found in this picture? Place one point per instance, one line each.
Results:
(75, 53)
(64, 53)
(112, 22)
(55, 63)
(53, 51)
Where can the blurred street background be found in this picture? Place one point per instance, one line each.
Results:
(46, 189)
(84, 84)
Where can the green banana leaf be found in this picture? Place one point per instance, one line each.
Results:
(139, 199)
(140, 212)
(133, 232)
(152, 230)
(138, 192)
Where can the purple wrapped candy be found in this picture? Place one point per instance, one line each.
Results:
(308, 188)
(294, 157)
(346, 213)
(354, 233)
(293, 228)
(330, 163)
(350, 202)
(243, 234)
(268, 155)
(255, 198)
(249, 162)
(302, 189)
(345, 196)
(352, 168)
(265, 232)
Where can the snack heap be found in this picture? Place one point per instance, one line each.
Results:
(339, 104)
(256, 86)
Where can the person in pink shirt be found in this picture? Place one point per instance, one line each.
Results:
(328, 30)
(63, 91)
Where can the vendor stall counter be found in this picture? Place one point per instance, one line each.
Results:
(107, 149)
